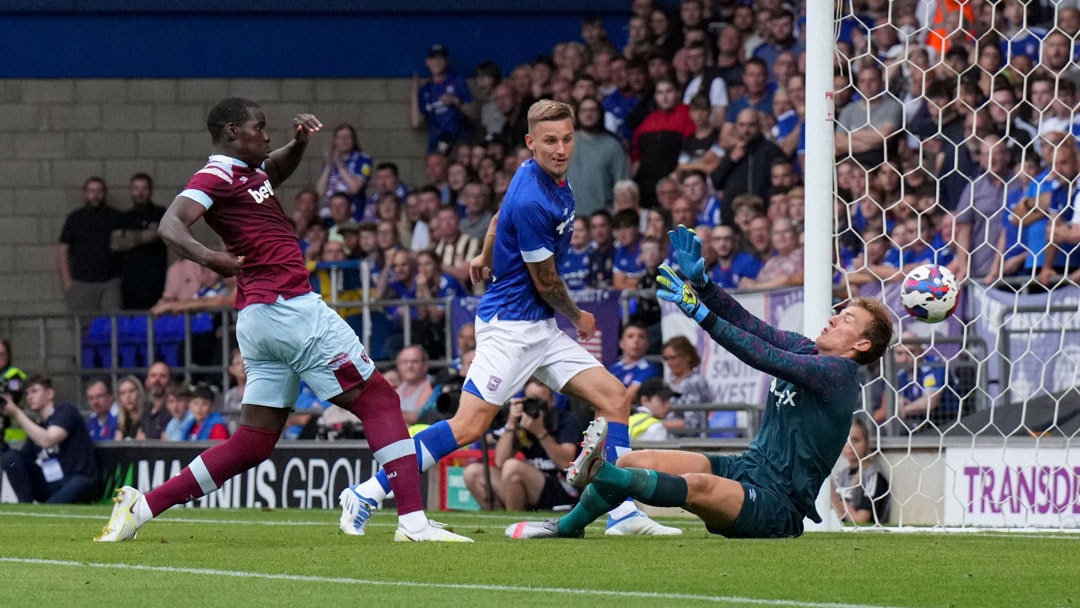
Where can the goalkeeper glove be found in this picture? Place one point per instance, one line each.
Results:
(673, 289)
(687, 247)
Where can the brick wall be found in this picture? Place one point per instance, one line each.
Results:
(56, 133)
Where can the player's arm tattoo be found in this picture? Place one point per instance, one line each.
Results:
(552, 289)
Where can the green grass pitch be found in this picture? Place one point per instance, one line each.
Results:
(191, 557)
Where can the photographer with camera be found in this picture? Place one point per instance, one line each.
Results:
(12, 382)
(56, 463)
(547, 438)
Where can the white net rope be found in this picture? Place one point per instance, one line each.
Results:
(956, 145)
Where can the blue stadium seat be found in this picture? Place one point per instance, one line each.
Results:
(132, 334)
(96, 343)
(169, 338)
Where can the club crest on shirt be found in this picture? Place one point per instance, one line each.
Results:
(364, 357)
(493, 383)
(338, 361)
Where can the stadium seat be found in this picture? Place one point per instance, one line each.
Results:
(97, 343)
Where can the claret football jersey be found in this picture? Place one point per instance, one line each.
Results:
(242, 209)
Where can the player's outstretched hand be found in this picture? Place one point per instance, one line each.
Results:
(305, 125)
(687, 247)
(225, 263)
(586, 326)
(675, 290)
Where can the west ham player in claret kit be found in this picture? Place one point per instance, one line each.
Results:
(285, 331)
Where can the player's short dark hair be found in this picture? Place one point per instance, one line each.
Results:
(604, 213)
(695, 173)
(40, 380)
(143, 177)
(393, 168)
(879, 331)
(202, 391)
(584, 78)
(627, 218)
(95, 179)
(231, 110)
(430, 189)
(758, 62)
(634, 325)
(700, 102)
(100, 380)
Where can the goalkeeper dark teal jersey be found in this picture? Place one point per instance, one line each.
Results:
(808, 413)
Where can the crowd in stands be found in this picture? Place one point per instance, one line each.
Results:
(955, 144)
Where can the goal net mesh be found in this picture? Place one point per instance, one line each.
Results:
(956, 133)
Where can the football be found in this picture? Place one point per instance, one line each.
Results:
(930, 293)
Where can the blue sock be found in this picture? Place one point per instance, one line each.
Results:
(432, 444)
(618, 441)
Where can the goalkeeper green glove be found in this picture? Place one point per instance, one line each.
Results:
(673, 289)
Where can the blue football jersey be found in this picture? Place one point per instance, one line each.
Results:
(536, 222)
(574, 267)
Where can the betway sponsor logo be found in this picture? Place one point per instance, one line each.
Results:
(263, 193)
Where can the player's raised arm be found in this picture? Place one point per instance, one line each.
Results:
(806, 368)
(175, 230)
(283, 161)
(691, 263)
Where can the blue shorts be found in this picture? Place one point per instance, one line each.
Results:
(298, 338)
(766, 512)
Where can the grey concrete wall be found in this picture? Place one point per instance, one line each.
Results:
(56, 133)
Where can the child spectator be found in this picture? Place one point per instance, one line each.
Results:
(860, 491)
(206, 424)
(654, 405)
(176, 401)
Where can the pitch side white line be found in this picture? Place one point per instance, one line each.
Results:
(462, 586)
(255, 522)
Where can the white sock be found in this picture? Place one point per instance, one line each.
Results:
(413, 521)
(626, 508)
(140, 512)
(372, 489)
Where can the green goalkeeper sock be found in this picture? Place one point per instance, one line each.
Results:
(595, 501)
(650, 487)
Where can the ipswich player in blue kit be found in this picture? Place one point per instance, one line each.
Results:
(516, 333)
(768, 490)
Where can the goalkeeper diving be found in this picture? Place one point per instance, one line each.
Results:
(768, 490)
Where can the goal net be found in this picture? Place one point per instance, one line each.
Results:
(956, 145)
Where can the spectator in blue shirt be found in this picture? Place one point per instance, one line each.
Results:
(574, 266)
(444, 102)
(628, 266)
(101, 423)
(731, 264)
(922, 385)
(632, 369)
(346, 169)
